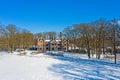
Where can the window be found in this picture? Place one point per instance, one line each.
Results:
(58, 44)
(46, 48)
(52, 48)
(65, 44)
(58, 48)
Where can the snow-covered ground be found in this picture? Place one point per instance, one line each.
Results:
(46, 67)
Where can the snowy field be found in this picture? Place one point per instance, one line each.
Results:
(46, 67)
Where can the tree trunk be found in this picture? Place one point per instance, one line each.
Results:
(103, 45)
(114, 44)
(88, 49)
(74, 46)
(67, 45)
(99, 53)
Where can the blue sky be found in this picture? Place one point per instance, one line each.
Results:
(55, 15)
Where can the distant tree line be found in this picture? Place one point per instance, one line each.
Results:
(12, 38)
(94, 37)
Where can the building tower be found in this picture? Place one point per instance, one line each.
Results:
(41, 45)
(38, 45)
(60, 41)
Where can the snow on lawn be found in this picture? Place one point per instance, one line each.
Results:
(13, 67)
(46, 67)
(75, 69)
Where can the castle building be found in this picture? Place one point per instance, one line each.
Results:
(52, 45)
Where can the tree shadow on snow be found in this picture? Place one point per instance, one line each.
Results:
(77, 69)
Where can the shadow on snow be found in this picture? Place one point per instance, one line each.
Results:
(77, 68)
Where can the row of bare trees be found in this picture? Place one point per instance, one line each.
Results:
(47, 35)
(95, 37)
(11, 38)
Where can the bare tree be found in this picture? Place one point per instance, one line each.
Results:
(52, 35)
(114, 36)
(27, 39)
(100, 29)
(67, 35)
(11, 30)
(86, 32)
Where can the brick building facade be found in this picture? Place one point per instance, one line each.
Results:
(52, 45)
